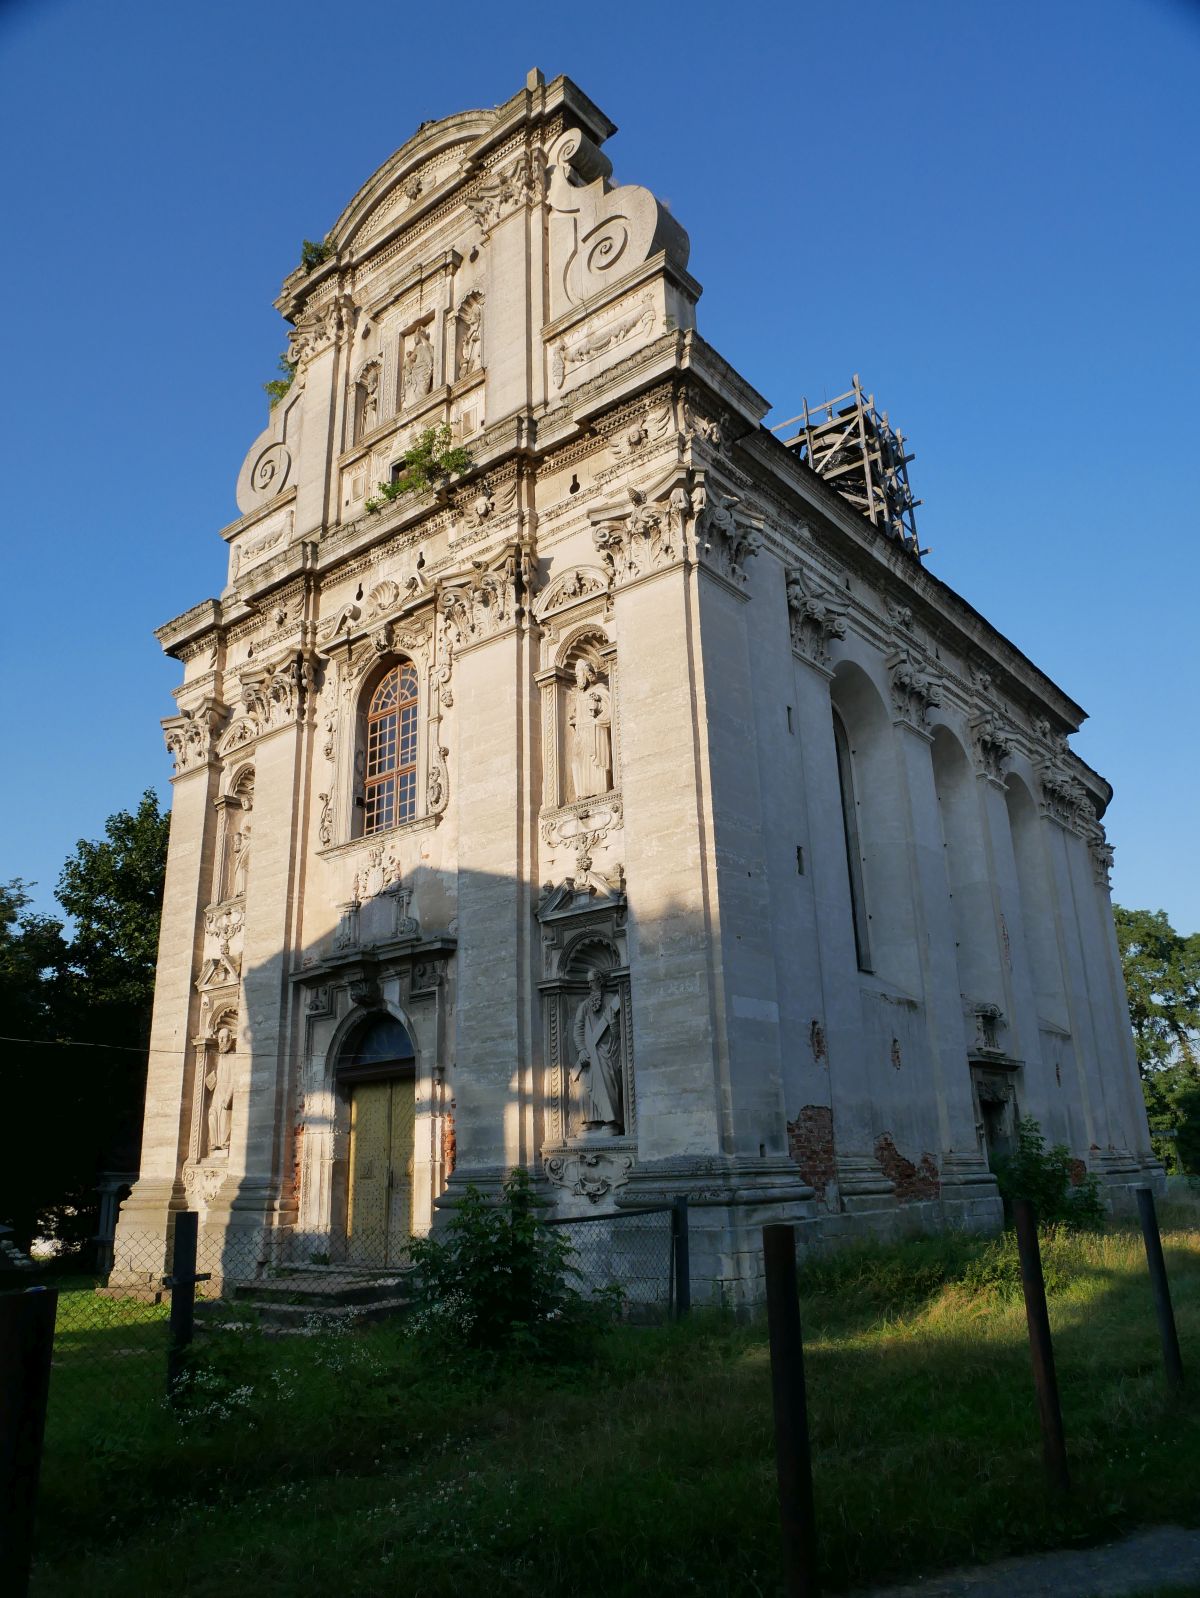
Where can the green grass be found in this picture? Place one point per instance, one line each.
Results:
(355, 1465)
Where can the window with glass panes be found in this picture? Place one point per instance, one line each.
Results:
(390, 786)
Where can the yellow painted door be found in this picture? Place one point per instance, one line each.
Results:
(403, 1116)
(367, 1209)
(379, 1211)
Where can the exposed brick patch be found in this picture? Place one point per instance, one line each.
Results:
(913, 1182)
(297, 1161)
(1078, 1172)
(810, 1143)
(816, 1037)
(449, 1145)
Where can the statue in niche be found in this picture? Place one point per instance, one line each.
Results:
(590, 720)
(219, 1083)
(418, 367)
(470, 334)
(239, 860)
(597, 1038)
(368, 399)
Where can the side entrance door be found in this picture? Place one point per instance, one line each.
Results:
(379, 1209)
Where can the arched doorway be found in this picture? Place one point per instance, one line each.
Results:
(377, 1072)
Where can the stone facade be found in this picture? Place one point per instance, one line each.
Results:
(649, 923)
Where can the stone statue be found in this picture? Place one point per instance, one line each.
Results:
(241, 861)
(470, 320)
(590, 720)
(418, 367)
(368, 413)
(597, 1037)
(219, 1083)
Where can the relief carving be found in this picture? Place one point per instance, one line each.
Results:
(470, 334)
(416, 377)
(914, 690)
(596, 341)
(219, 1084)
(815, 620)
(189, 735)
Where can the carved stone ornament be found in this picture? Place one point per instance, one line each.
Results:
(914, 690)
(585, 823)
(1101, 852)
(325, 824)
(815, 619)
(993, 746)
(189, 735)
(318, 329)
(272, 696)
(602, 336)
(204, 1182)
(1064, 798)
(599, 233)
(570, 588)
(366, 390)
(725, 538)
(470, 334)
(487, 503)
(589, 1173)
(498, 193)
(483, 602)
(380, 871)
(641, 536)
(651, 427)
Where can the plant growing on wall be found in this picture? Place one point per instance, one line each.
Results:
(278, 386)
(428, 462)
(313, 252)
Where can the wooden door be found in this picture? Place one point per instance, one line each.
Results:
(379, 1207)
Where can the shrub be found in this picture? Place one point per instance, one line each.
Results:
(1051, 1179)
(496, 1278)
(278, 386)
(430, 458)
(313, 252)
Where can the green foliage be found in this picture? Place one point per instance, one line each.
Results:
(1061, 1193)
(1162, 979)
(496, 1278)
(369, 1462)
(279, 386)
(429, 461)
(314, 253)
(96, 990)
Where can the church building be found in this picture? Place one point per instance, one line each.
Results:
(575, 774)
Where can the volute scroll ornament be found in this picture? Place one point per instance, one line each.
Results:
(190, 735)
(815, 619)
(915, 691)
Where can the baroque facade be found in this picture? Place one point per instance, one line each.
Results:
(624, 805)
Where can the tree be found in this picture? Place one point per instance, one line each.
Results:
(81, 1010)
(1162, 979)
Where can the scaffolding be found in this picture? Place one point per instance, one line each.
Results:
(854, 447)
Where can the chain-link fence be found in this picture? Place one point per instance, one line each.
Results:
(114, 1332)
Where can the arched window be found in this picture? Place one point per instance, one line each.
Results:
(858, 898)
(390, 768)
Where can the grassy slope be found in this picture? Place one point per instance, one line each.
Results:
(353, 1465)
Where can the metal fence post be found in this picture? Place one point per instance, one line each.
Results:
(793, 1459)
(1172, 1361)
(1033, 1283)
(26, 1341)
(182, 1282)
(681, 1255)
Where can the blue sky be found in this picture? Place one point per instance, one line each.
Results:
(989, 211)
